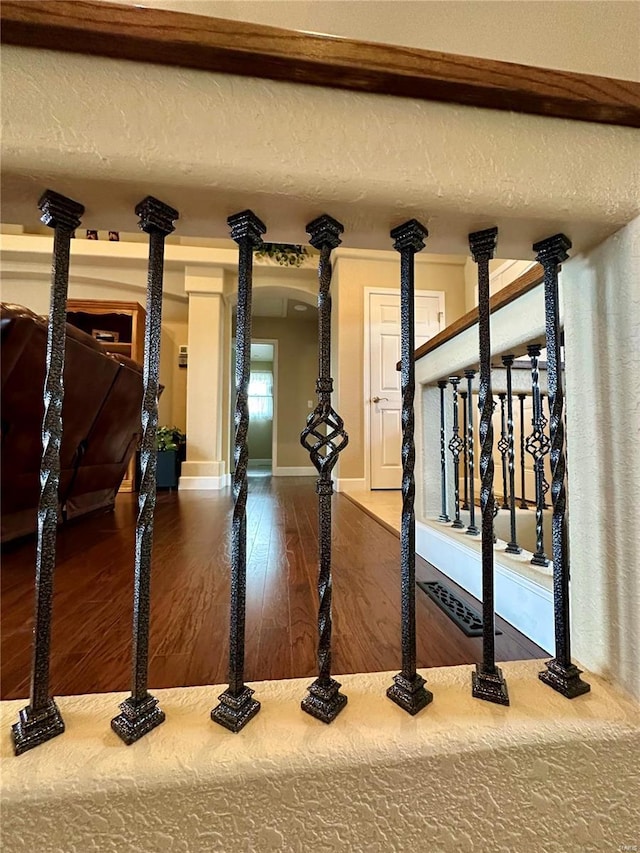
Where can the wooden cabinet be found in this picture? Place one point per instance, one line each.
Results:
(119, 326)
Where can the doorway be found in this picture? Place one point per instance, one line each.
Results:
(382, 379)
(262, 436)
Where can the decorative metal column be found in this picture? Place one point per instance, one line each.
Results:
(140, 712)
(512, 545)
(545, 484)
(237, 706)
(523, 499)
(503, 447)
(465, 454)
(408, 690)
(537, 445)
(487, 681)
(41, 720)
(471, 530)
(325, 438)
(561, 673)
(444, 515)
(455, 446)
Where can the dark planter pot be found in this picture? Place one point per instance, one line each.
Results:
(168, 469)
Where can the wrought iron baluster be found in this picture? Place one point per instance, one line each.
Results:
(41, 720)
(465, 453)
(408, 690)
(140, 712)
(324, 437)
(455, 446)
(561, 673)
(237, 705)
(487, 681)
(537, 445)
(545, 483)
(523, 498)
(444, 515)
(512, 545)
(471, 530)
(503, 447)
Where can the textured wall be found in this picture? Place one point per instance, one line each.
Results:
(602, 333)
(213, 144)
(543, 776)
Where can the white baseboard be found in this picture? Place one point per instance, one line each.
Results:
(345, 483)
(526, 605)
(207, 483)
(259, 461)
(302, 471)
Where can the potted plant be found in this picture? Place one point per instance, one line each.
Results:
(170, 444)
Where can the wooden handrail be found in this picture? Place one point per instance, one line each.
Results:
(216, 44)
(526, 282)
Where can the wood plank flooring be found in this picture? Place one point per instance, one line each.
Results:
(91, 636)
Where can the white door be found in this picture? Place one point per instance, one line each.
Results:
(385, 402)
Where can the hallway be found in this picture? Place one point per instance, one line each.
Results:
(189, 621)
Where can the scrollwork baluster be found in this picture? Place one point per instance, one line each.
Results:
(455, 446)
(471, 530)
(512, 545)
(537, 444)
(444, 515)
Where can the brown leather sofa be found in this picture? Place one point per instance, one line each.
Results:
(100, 416)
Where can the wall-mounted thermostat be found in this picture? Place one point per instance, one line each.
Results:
(182, 356)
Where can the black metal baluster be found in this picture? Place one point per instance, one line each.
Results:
(465, 453)
(523, 498)
(455, 446)
(471, 530)
(324, 437)
(140, 712)
(512, 545)
(408, 690)
(545, 483)
(444, 515)
(561, 673)
(487, 681)
(537, 445)
(503, 447)
(41, 720)
(237, 705)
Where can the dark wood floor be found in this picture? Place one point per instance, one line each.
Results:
(188, 644)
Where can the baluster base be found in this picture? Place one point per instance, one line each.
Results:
(490, 686)
(234, 712)
(138, 717)
(410, 694)
(36, 727)
(465, 506)
(540, 560)
(444, 518)
(472, 530)
(564, 679)
(513, 548)
(523, 505)
(324, 701)
(458, 524)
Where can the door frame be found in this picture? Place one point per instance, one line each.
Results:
(232, 391)
(382, 291)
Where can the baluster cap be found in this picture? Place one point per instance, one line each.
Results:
(483, 244)
(156, 217)
(246, 226)
(325, 231)
(552, 250)
(409, 235)
(58, 211)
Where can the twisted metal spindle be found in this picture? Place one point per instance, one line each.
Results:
(523, 499)
(545, 482)
(408, 690)
(537, 445)
(444, 515)
(503, 447)
(471, 530)
(561, 673)
(41, 720)
(237, 705)
(512, 545)
(324, 437)
(140, 712)
(487, 681)
(465, 452)
(455, 446)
